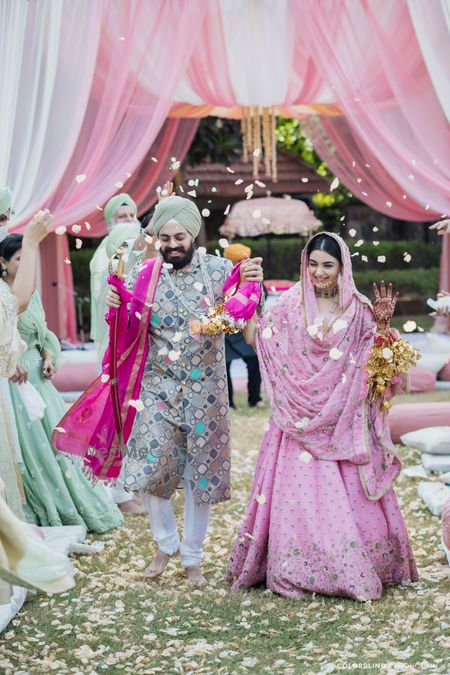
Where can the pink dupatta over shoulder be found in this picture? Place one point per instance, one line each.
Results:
(314, 374)
(88, 429)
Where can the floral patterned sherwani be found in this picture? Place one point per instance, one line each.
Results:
(185, 419)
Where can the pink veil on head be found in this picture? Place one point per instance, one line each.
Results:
(315, 378)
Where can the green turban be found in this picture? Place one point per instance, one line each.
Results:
(5, 200)
(180, 209)
(118, 200)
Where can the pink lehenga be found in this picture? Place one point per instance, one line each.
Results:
(322, 515)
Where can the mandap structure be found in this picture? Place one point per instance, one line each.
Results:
(113, 91)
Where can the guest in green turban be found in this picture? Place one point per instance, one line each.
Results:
(120, 209)
(123, 229)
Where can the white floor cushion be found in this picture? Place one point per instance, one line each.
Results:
(434, 495)
(432, 440)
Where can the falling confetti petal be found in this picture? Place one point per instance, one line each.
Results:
(76, 228)
(230, 170)
(352, 232)
(359, 243)
(192, 193)
(376, 243)
(260, 184)
(407, 257)
(174, 355)
(157, 245)
(305, 456)
(410, 177)
(256, 213)
(61, 229)
(313, 330)
(364, 258)
(305, 180)
(334, 184)
(148, 239)
(67, 261)
(375, 229)
(389, 204)
(387, 353)
(227, 210)
(267, 333)
(60, 429)
(136, 403)
(78, 243)
(302, 423)
(205, 213)
(168, 266)
(335, 354)
(381, 259)
(261, 499)
(238, 181)
(104, 377)
(198, 286)
(409, 326)
(177, 337)
(201, 250)
(118, 184)
(223, 243)
(338, 325)
(80, 178)
(249, 188)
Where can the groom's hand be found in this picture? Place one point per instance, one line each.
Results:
(113, 298)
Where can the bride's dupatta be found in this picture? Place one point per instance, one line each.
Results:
(88, 429)
(315, 378)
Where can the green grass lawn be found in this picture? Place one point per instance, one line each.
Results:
(114, 622)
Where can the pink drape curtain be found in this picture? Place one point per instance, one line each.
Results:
(368, 53)
(360, 169)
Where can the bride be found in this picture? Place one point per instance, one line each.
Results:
(322, 515)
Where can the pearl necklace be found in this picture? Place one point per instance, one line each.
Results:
(194, 311)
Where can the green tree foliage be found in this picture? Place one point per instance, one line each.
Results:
(217, 140)
(330, 206)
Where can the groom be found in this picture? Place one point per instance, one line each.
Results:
(181, 434)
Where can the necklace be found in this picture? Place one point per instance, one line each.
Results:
(326, 294)
(192, 309)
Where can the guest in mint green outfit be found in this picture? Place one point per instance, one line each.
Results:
(56, 490)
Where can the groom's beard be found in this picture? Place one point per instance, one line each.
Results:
(180, 261)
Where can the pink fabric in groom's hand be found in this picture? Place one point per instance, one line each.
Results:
(88, 429)
(322, 401)
(245, 297)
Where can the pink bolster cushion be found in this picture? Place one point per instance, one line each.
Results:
(75, 376)
(421, 379)
(444, 373)
(406, 417)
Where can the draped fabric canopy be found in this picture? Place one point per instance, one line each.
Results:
(87, 87)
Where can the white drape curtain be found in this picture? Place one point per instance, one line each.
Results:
(432, 25)
(45, 72)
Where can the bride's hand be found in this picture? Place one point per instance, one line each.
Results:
(384, 305)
